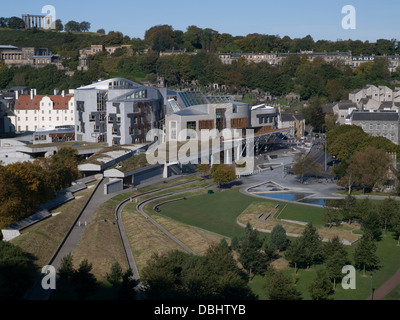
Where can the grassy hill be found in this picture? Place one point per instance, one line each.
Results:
(48, 39)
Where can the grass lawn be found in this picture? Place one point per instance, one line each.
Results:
(389, 255)
(314, 215)
(214, 212)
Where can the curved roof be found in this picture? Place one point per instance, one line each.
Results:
(113, 83)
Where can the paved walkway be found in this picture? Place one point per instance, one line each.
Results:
(387, 287)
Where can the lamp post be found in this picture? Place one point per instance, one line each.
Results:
(372, 294)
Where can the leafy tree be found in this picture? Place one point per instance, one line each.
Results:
(313, 250)
(277, 240)
(223, 174)
(83, 281)
(305, 165)
(251, 256)
(320, 288)
(66, 269)
(84, 26)
(16, 23)
(365, 253)
(115, 275)
(279, 286)
(101, 31)
(127, 290)
(369, 167)
(295, 254)
(387, 210)
(371, 223)
(332, 216)
(59, 25)
(348, 208)
(72, 26)
(335, 255)
(204, 169)
(17, 271)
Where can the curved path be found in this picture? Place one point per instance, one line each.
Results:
(124, 238)
(76, 232)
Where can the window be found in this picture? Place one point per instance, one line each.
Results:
(371, 126)
(191, 125)
(378, 126)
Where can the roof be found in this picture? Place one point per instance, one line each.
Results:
(113, 83)
(24, 102)
(346, 104)
(190, 112)
(375, 116)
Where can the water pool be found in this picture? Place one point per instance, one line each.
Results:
(294, 196)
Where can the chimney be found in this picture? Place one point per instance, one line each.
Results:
(16, 95)
(56, 92)
(63, 93)
(32, 94)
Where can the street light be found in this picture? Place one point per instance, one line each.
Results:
(372, 293)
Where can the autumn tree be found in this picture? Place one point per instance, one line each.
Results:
(223, 174)
(305, 165)
(369, 167)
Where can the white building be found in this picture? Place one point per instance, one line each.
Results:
(34, 112)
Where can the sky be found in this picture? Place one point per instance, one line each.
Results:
(321, 19)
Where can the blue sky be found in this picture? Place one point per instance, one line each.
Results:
(321, 19)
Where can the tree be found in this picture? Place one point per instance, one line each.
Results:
(305, 165)
(387, 210)
(332, 216)
(16, 23)
(369, 167)
(72, 26)
(3, 22)
(251, 256)
(101, 31)
(348, 208)
(84, 26)
(312, 244)
(204, 169)
(83, 281)
(335, 255)
(222, 174)
(66, 269)
(115, 275)
(365, 253)
(277, 240)
(59, 25)
(17, 271)
(320, 288)
(279, 286)
(127, 290)
(295, 254)
(371, 223)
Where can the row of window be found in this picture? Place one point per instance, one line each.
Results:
(378, 126)
(43, 119)
(36, 111)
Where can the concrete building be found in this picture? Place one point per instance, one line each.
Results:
(118, 111)
(35, 112)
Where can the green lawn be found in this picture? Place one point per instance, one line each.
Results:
(302, 213)
(214, 212)
(389, 255)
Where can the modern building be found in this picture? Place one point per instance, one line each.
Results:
(34, 112)
(118, 111)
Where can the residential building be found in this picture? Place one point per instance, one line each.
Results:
(379, 124)
(295, 122)
(35, 112)
(97, 48)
